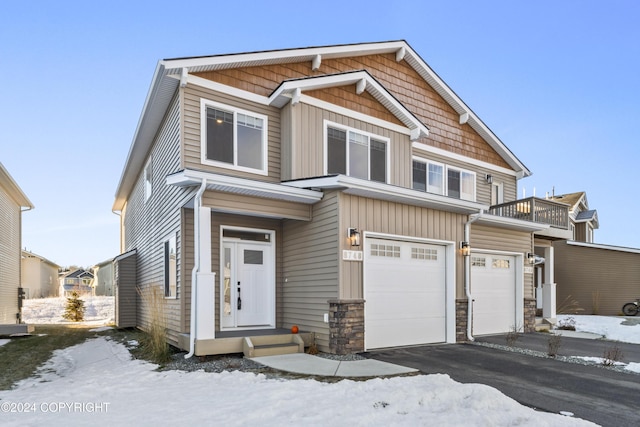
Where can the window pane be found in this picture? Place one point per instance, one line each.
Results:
(336, 151)
(170, 268)
(250, 141)
(453, 183)
(436, 179)
(358, 155)
(253, 257)
(378, 160)
(419, 176)
(219, 135)
(467, 183)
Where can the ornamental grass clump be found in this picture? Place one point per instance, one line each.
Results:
(155, 340)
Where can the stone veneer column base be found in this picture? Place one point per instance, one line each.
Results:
(461, 320)
(529, 315)
(346, 326)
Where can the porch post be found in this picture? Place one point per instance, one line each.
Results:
(549, 286)
(206, 280)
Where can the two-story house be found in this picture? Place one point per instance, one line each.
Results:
(13, 202)
(343, 189)
(39, 276)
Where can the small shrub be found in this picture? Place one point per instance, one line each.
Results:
(568, 324)
(553, 345)
(513, 335)
(611, 355)
(74, 310)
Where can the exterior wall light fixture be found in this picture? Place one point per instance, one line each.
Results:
(489, 178)
(354, 236)
(465, 249)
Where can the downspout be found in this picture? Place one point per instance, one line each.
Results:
(467, 274)
(197, 202)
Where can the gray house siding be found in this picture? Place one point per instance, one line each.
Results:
(599, 279)
(126, 291)
(10, 224)
(149, 223)
(311, 269)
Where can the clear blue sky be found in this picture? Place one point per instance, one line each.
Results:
(557, 81)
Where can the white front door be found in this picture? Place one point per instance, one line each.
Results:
(248, 285)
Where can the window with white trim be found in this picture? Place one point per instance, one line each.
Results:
(233, 138)
(355, 153)
(148, 175)
(170, 267)
(442, 179)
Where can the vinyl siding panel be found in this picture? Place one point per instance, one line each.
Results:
(377, 216)
(192, 141)
(501, 239)
(310, 270)
(600, 280)
(248, 205)
(148, 224)
(10, 238)
(307, 144)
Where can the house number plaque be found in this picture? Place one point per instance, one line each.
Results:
(352, 255)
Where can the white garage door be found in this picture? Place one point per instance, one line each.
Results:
(405, 291)
(493, 287)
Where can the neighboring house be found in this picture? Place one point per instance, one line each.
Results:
(599, 278)
(343, 189)
(79, 281)
(103, 273)
(12, 203)
(39, 276)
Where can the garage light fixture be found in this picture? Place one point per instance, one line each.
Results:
(489, 178)
(354, 236)
(465, 249)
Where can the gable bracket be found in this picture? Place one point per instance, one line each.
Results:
(297, 93)
(184, 74)
(315, 63)
(464, 118)
(400, 53)
(361, 86)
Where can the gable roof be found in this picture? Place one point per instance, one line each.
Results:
(79, 274)
(12, 188)
(572, 199)
(170, 73)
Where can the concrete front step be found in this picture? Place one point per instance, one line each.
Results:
(271, 345)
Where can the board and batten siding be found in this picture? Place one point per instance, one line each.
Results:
(600, 280)
(10, 252)
(306, 147)
(311, 269)
(502, 239)
(379, 216)
(148, 224)
(191, 97)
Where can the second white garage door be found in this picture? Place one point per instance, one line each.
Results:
(405, 293)
(493, 286)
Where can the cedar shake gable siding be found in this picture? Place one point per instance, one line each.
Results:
(399, 78)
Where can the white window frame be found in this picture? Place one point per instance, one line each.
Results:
(369, 135)
(167, 286)
(426, 162)
(148, 180)
(497, 190)
(204, 104)
(472, 197)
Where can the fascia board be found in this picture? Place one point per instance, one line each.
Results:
(511, 223)
(13, 189)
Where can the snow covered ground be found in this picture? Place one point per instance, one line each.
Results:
(98, 382)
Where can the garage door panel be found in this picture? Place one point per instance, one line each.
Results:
(405, 293)
(493, 286)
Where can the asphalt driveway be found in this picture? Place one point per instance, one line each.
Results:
(594, 393)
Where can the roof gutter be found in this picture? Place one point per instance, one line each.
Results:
(196, 267)
(467, 274)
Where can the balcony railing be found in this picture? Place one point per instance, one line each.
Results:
(533, 209)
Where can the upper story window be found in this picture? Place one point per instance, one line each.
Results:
(234, 138)
(355, 153)
(437, 178)
(148, 175)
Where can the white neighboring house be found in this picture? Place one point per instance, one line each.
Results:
(39, 276)
(13, 202)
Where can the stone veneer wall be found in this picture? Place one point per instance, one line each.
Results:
(529, 315)
(346, 326)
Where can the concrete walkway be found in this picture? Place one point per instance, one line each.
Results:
(306, 364)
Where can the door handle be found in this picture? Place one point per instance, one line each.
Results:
(239, 304)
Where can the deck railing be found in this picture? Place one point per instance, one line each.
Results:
(534, 209)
